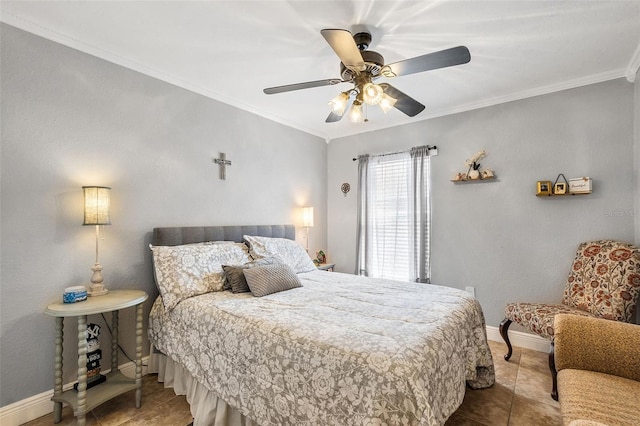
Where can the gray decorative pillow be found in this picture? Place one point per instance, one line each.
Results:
(268, 279)
(289, 251)
(234, 279)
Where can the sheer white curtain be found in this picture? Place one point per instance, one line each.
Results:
(394, 209)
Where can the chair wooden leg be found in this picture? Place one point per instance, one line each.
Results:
(504, 329)
(554, 373)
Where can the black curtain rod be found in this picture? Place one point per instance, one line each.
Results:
(397, 152)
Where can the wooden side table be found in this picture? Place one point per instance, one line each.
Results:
(84, 400)
(327, 266)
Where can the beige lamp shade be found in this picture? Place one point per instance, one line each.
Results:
(96, 205)
(307, 217)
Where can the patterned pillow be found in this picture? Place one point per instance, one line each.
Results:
(234, 279)
(189, 270)
(270, 279)
(288, 250)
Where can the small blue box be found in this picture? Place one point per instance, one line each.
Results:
(74, 294)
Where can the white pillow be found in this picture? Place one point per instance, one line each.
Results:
(287, 250)
(189, 270)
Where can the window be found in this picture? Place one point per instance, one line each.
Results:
(394, 216)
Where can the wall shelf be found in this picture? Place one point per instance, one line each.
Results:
(473, 180)
(562, 195)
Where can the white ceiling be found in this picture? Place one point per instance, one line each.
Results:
(231, 50)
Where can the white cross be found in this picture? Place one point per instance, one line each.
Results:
(222, 162)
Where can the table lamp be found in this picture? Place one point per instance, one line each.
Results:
(307, 221)
(96, 212)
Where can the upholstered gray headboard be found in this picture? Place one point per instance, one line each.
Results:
(173, 236)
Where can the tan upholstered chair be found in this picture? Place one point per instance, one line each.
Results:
(598, 364)
(604, 282)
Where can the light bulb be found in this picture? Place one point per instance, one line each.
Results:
(387, 102)
(355, 114)
(339, 103)
(372, 93)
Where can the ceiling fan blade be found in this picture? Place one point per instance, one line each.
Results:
(404, 102)
(341, 41)
(430, 61)
(298, 86)
(333, 117)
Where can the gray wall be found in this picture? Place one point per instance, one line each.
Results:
(70, 119)
(636, 156)
(497, 236)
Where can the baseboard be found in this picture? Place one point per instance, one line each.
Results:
(40, 405)
(520, 339)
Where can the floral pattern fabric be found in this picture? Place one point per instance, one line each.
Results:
(604, 282)
(340, 350)
(538, 317)
(192, 269)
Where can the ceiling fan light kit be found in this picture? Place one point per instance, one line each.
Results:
(386, 103)
(339, 103)
(361, 67)
(356, 114)
(372, 93)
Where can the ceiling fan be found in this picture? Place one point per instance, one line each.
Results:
(362, 67)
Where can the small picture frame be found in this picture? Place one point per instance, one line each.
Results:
(544, 187)
(560, 188)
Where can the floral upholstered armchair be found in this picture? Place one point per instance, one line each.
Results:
(604, 282)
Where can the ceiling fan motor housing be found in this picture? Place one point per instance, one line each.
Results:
(373, 62)
(363, 40)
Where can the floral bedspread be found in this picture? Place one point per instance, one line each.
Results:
(340, 350)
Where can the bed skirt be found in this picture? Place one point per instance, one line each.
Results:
(206, 408)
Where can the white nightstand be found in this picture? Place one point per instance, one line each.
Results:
(327, 266)
(84, 400)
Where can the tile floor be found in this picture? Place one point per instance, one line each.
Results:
(519, 397)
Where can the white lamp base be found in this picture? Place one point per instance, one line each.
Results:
(97, 290)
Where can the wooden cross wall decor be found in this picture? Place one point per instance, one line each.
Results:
(223, 163)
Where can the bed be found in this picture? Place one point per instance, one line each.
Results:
(338, 349)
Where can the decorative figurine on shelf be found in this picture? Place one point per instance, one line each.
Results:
(460, 177)
(474, 164)
(473, 171)
(487, 173)
(320, 258)
(94, 355)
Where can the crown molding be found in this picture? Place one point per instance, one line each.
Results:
(530, 93)
(100, 53)
(65, 40)
(634, 65)
(538, 91)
